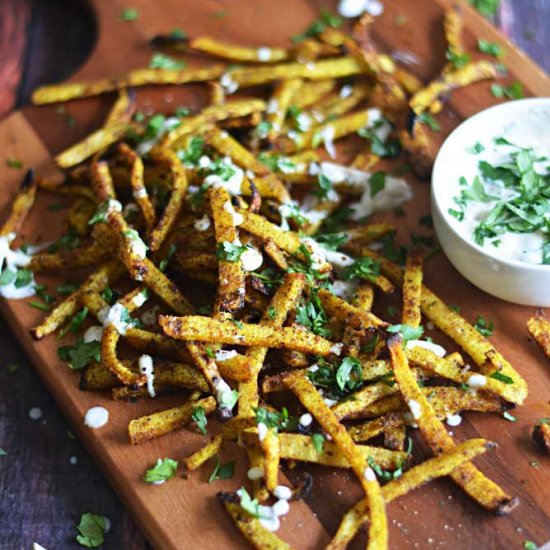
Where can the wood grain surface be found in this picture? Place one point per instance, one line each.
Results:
(44, 494)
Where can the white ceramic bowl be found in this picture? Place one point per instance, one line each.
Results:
(515, 281)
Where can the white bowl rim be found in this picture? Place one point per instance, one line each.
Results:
(508, 106)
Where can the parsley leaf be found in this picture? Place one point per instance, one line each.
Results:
(377, 182)
(75, 325)
(198, 416)
(364, 268)
(91, 530)
(162, 471)
(222, 471)
(230, 252)
(497, 375)
(337, 381)
(80, 354)
(515, 91)
(318, 26)
(331, 241)
(490, 48)
(318, 440)
(276, 420)
(458, 60)
(2, 452)
(194, 151)
(249, 505)
(430, 121)
(312, 316)
(529, 545)
(129, 14)
(484, 327)
(14, 163)
(488, 8)
(407, 332)
(323, 187)
(163, 61)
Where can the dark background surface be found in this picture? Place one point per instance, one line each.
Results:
(47, 479)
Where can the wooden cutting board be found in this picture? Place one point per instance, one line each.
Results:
(184, 513)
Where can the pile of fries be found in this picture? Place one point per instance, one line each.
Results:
(247, 295)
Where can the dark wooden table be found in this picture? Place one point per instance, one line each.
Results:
(47, 480)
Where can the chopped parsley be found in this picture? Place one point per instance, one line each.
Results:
(325, 20)
(230, 252)
(318, 440)
(312, 316)
(65, 243)
(385, 148)
(331, 241)
(194, 151)
(222, 471)
(429, 120)
(14, 163)
(166, 260)
(91, 530)
(407, 332)
(271, 312)
(476, 149)
(514, 91)
(484, 327)
(337, 381)
(162, 471)
(277, 163)
(2, 452)
(163, 61)
(76, 323)
(249, 505)
(488, 8)
(323, 187)
(377, 182)
(497, 375)
(364, 268)
(529, 545)
(490, 48)
(457, 60)
(263, 128)
(198, 415)
(129, 14)
(20, 277)
(80, 354)
(276, 420)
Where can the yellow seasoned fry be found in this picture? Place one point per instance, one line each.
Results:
(539, 328)
(472, 72)
(311, 92)
(65, 189)
(326, 133)
(231, 287)
(353, 407)
(441, 367)
(313, 401)
(350, 315)
(21, 206)
(468, 477)
(139, 191)
(79, 216)
(452, 25)
(96, 141)
(73, 259)
(97, 377)
(56, 93)
(123, 108)
(272, 455)
(363, 297)
(154, 425)
(193, 262)
(235, 52)
(301, 448)
(132, 252)
(336, 104)
(251, 528)
(462, 332)
(365, 161)
(318, 70)
(285, 299)
(412, 289)
(276, 254)
(177, 197)
(228, 146)
(197, 459)
(416, 477)
(278, 105)
(210, 115)
(205, 329)
(259, 226)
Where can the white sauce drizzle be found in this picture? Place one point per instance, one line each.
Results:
(305, 420)
(93, 334)
(430, 346)
(202, 224)
(146, 367)
(113, 316)
(96, 417)
(255, 473)
(415, 408)
(35, 413)
(235, 216)
(477, 381)
(454, 420)
(251, 259)
(225, 354)
(369, 474)
(264, 54)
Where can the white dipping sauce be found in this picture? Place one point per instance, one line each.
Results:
(532, 130)
(96, 417)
